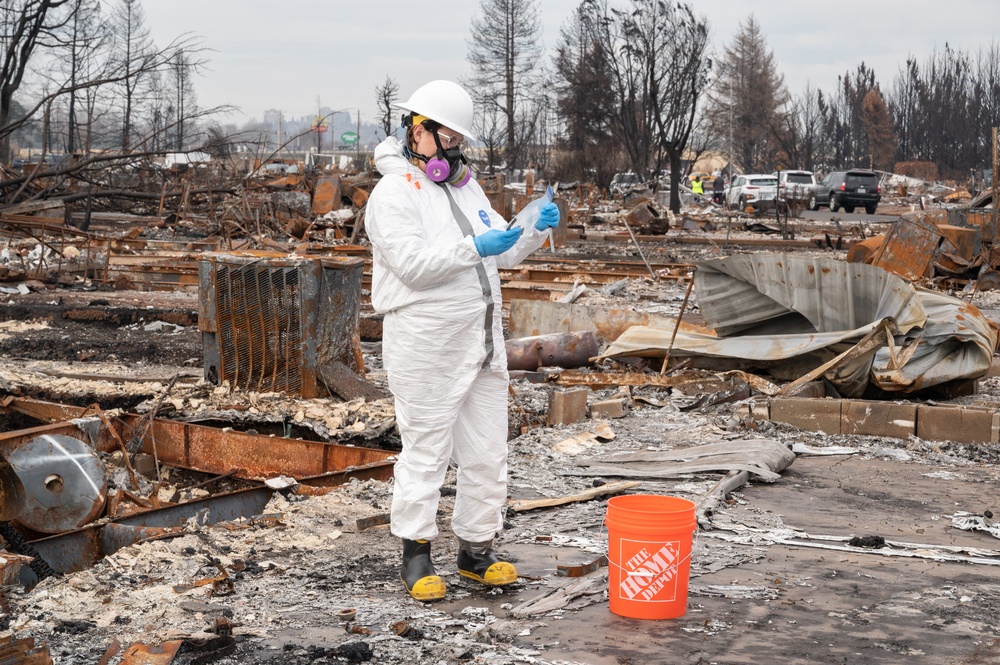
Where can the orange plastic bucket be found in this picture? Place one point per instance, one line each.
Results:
(649, 555)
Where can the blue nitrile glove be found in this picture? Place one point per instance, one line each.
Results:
(495, 241)
(549, 219)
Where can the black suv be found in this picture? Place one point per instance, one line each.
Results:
(849, 190)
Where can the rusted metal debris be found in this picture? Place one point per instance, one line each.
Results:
(257, 457)
(376, 520)
(647, 218)
(569, 350)
(64, 482)
(80, 549)
(775, 310)
(932, 246)
(210, 449)
(10, 567)
(23, 652)
(155, 654)
(270, 322)
(318, 466)
(582, 569)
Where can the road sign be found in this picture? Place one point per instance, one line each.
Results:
(349, 137)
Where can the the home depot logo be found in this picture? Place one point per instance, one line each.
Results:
(649, 571)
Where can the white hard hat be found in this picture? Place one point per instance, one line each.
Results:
(444, 102)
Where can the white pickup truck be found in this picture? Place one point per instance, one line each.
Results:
(797, 187)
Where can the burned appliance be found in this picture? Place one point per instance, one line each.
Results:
(270, 321)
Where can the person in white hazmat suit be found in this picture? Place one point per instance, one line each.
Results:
(436, 246)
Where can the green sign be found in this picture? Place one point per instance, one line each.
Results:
(349, 137)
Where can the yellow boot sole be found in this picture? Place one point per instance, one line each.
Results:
(498, 574)
(427, 588)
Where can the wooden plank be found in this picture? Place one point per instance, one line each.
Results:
(593, 493)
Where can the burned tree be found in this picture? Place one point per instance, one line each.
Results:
(133, 49)
(504, 51)
(945, 108)
(86, 40)
(184, 97)
(747, 98)
(655, 54)
(799, 136)
(685, 75)
(23, 27)
(631, 72)
(877, 123)
(385, 97)
(583, 101)
(843, 124)
(903, 103)
(490, 129)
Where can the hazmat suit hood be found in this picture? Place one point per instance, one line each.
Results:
(389, 158)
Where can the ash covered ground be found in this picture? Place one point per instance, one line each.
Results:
(760, 586)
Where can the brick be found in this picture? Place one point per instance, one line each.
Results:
(878, 418)
(957, 423)
(813, 415)
(567, 406)
(609, 408)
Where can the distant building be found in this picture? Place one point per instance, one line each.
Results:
(272, 117)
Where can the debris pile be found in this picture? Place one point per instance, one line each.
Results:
(213, 514)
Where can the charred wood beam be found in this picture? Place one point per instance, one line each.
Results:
(146, 196)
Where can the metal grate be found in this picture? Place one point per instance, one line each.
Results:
(259, 327)
(270, 323)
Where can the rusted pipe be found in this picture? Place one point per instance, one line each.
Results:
(568, 350)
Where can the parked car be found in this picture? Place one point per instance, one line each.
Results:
(623, 182)
(753, 189)
(796, 186)
(704, 175)
(849, 190)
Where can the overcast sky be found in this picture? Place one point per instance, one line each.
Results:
(283, 55)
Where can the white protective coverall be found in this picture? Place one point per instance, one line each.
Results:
(442, 344)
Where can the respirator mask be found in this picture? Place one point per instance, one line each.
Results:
(445, 167)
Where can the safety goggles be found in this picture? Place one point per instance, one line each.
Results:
(449, 141)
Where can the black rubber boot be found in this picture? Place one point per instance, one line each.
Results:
(485, 568)
(418, 573)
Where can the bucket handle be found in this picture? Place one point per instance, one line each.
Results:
(636, 573)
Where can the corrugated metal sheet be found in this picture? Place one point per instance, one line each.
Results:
(957, 342)
(782, 293)
(826, 306)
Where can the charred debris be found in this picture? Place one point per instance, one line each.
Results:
(194, 345)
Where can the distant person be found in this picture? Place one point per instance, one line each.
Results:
(697, 187)
(718, 188)
(436, 246)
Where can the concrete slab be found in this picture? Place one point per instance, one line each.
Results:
(828, 606)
